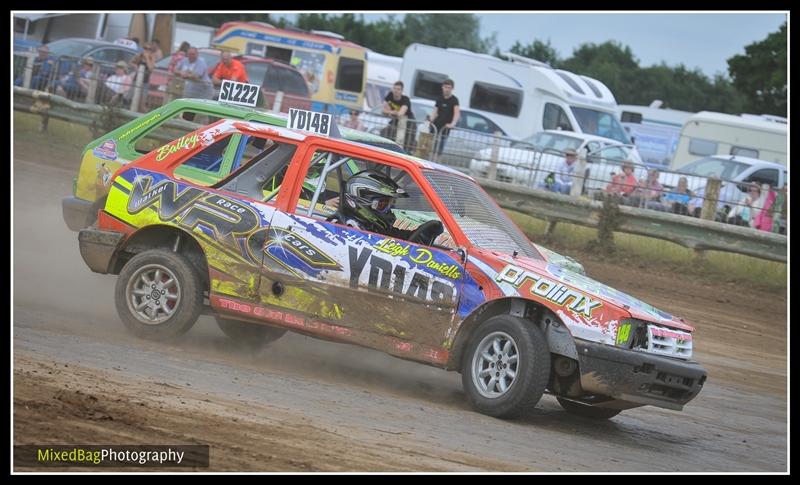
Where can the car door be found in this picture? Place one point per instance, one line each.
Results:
(366, 282)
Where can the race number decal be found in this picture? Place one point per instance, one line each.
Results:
(317, 123)
(238, 93)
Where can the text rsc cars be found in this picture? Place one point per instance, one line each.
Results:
(106, 154)
(461, 289)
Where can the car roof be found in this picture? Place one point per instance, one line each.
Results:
(585, 136)
(95, 43)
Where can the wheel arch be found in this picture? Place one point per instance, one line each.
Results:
(559, 338)
(164, 237)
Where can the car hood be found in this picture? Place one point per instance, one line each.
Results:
(580, 283)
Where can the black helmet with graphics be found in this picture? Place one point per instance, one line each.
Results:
(369, 197)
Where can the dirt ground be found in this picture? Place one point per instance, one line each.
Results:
(308, 405)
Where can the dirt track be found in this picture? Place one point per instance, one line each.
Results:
(307, 405)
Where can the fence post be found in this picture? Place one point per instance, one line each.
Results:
(402, 125)
(493, 159)
(137, 89)
(91, 93)
(28, 74)
(580, 178)
(276, 106)
(425, 144)
(709, 210)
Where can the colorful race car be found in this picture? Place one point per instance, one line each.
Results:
(105, 155)
(347, 242)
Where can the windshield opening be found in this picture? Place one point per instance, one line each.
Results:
(714, 167)
(600, 123)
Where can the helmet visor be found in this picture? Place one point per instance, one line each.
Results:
(382, 204)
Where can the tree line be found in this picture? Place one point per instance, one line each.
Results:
(755, 82)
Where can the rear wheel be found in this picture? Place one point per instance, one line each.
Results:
(159, 295)
(249, 335)
(586, 411)
(506, 367)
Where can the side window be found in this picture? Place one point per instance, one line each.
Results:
(168, 130)
(428, 85)
(104, 55)
(745, 152)
(496, 99)
(261, 164)
(702, 148)
(350, 76)
(345, 193)
(293, 82)
(764, 176)
(555, 118)
(204, 167)
(272, 81)
(477, 123)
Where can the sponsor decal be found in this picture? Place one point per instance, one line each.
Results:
(681, 337)
(351, 98)
(184, 142)
(623, 333)
(290, 319)
(550, 290)
(307, 252)
(107, 150)
(140, 126)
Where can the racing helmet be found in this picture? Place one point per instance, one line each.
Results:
(370, 195)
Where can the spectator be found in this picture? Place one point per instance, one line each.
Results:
(158, 54)
(178, 56)
(119, 84)
(195, 71)
(763, 219)
(397, 105)
(43, 69)
(675, 201)
(649, 190)
(622, 185)
(445, 114)
(228, 68)
(145, 58)
(561, 180)
(744, 213)
(353, 121)
(75, 84)
(779, 212)
(728, 193)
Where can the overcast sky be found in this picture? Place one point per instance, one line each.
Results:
(698, 40)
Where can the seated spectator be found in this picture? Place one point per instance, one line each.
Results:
(561, 181)
(744, 213)
(648, 190)
(43, 70)
(75, 84)
(622, 185)
(729, 193)
(675, 201)
(354, 121)
(118, 84)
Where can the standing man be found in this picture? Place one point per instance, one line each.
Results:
(228, 68)
(195, 70)
(445, 114)
(396, 105)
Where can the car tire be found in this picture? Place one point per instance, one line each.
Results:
(159, 295)
(252, 336)
(586, 411)
(516, 352)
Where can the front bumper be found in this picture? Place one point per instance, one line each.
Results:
(638, 377)
(76, 212)
(98, 248)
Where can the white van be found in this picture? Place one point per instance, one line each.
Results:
(707, 133)
(522, 96)
(654, 130)
(382, 72)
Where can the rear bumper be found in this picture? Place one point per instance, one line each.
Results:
(98, 248)
(76, 212)
(638, 377)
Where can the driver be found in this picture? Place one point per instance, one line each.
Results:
(368, 201)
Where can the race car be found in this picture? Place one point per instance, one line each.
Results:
(352, 243)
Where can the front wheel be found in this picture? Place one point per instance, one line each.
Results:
(159, 295)
(506, 367)
(249, 335)
(586, 411)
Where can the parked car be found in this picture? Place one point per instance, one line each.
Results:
(464, 290)
(528, 162)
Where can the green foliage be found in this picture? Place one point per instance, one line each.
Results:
(760, 74)
(541, 51)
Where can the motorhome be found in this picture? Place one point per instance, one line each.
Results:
(654, 130)
(521, 95)
(382, 72)
(707, 133)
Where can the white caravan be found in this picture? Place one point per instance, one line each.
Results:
(382, 72)
(654, 130)
(707, 133)
(522, 96)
